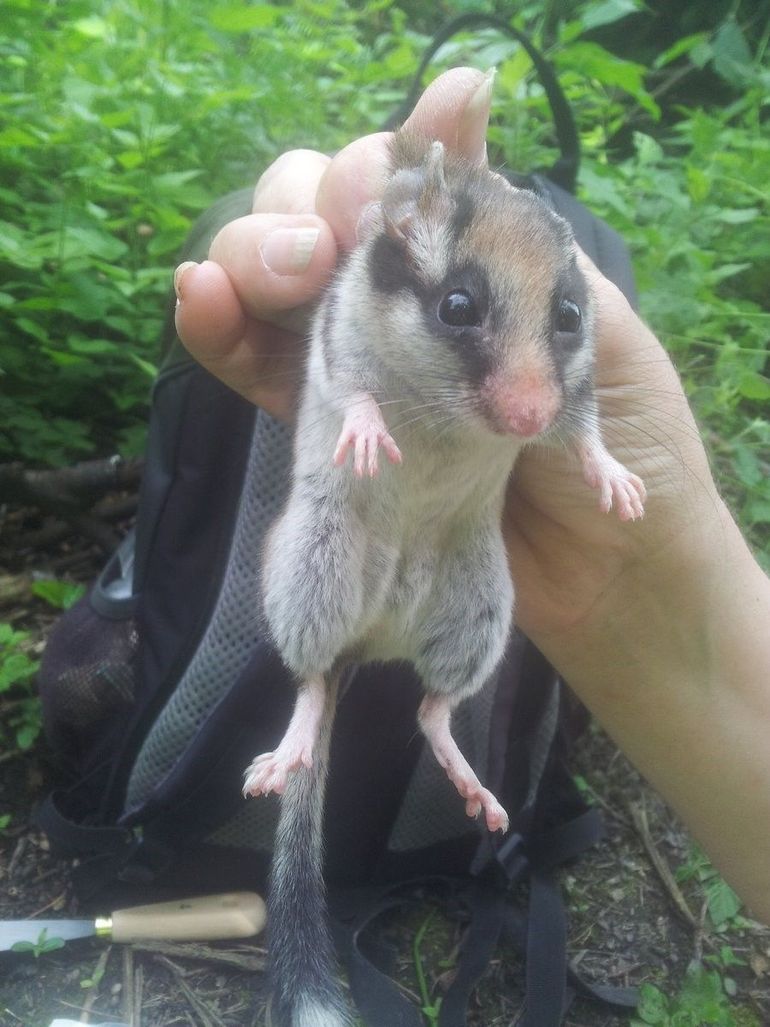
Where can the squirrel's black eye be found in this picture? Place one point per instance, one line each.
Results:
(569, 317)
(458, 308)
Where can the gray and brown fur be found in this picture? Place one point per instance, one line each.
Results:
(410, 564)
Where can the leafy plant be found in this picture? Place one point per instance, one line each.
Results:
(120, 126)
(87, 983)
(41, 946)
(722, 902)
(700, 1002)
(724, 961)
(20, 706)
(430, 1007)
(61, 594)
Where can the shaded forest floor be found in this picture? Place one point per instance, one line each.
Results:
(630, 921)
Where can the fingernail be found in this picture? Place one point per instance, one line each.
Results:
(472, 130)
(179, 278)
(288, 251)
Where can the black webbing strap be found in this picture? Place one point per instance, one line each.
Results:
(478, 946)
(621, 998)
(69, 838)
(377, 997)
(541, 933)
(546, 966)
(564, 171)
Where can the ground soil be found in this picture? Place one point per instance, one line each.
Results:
(629, 921)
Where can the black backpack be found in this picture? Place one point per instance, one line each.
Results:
(158, 689)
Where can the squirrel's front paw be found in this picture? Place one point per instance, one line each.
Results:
(617, 486)
(365, 430)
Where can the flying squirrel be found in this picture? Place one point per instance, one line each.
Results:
(458, 330)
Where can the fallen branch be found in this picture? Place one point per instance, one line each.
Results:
(639, 816)
(96, 979)
(132, 1011)
(79, 486)
(69, 493)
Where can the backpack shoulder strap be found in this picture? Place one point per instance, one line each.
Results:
(565, 169)
(602, 244)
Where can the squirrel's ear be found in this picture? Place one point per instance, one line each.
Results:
(414, 194)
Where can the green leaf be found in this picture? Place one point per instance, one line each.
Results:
(9, 636)
(607, 12)
(702, 995)
(732, 56)
(15, 135)
(93, 27)
(680, 47)
(92, 347)
(244, 19)
(597, 64)
(23, 946)
(90, 242)
(722, 901)
(15, 668)
(753, 385)
(61, 594)
(144, 365)
(26, 736)
(737, 215)
(653, 1005)
(757, 511)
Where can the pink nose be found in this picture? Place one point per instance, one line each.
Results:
(523, 406)
(528, 421)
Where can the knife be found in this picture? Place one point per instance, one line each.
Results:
(206, 918)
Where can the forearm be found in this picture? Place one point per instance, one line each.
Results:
(674, 662)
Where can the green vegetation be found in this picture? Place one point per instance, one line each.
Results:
(21, 708)
(118, 128)
(722, 904)
(701, 1000)
(41, 946)
(121, 122)
(21, 721)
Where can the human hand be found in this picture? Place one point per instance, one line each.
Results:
(241, 312)
(567, 558)
(265, 269)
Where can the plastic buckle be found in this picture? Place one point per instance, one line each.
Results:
(512, 857)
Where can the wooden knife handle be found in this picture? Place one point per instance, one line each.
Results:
(210, 917)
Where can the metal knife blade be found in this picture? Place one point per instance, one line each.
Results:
(204, 918)
(38, 932)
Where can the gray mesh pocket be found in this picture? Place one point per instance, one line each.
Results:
(232, 632)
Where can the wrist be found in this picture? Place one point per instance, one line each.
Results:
(674, 663)
(661, 615)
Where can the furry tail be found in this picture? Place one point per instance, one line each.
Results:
(306, 992)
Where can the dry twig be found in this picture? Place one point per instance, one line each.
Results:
(639, 817)
(208, 1015)
(93, 994)
(253, 960)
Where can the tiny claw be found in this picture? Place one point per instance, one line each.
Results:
(392, 451)
(473, 809)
